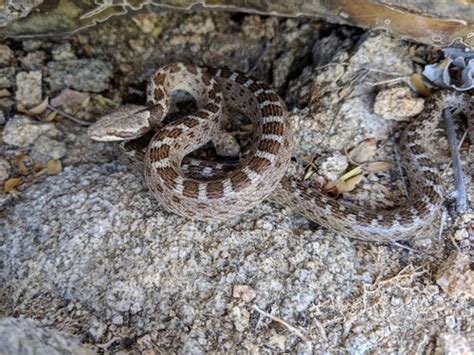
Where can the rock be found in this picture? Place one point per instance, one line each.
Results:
(277, 342)
(25, 336)
(6, 55)
(22, 131)
(241, 318)
(2, 118)
(226, 145)
(455, 276)
(4, 170)
(398, 104)
(31, 45)
(63, 52)
(81, 74)
(46, 148)
(6, 77)
(332, 166)
(282, 68)
(29, 91)
(452, 344)
(244, 292)
(34, 60)
(97, 329)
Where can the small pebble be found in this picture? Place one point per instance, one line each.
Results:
(31, 45)
(6, 55)
(34, 60)
(97, 329)
(244, 292)
(452, 343)
(332, 166)
(398, 104)
(7, 76)
(117, 319)
(241, 318)
(90, 75)
(63, 52)
(22, 131)
(455, 276)
(4, 170)
(46, 148)
(29, 91)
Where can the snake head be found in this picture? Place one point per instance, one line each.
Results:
(125, 123)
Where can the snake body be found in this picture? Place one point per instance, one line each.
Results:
(200, 190)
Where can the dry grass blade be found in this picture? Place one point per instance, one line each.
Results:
(377, 166)
(10, 186)
(417, 83)
(346, 182)
(54, 167)
(363, 151)
(34, 111)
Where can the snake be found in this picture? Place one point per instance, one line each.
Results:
(202, 190)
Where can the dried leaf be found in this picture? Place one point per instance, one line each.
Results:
(330, 189)
(356, 171)
(4, 93)
(362, 152)
(86, 102)
(414, 56)
(37, 167)
(387, 193)
(24, 163)
(34, 111)
(345, 183)
(377, 166)
(349, 184)
(418, 84)
(69, 98)
(10, 186)
(50, 116)
(54, 167)
(310, 172)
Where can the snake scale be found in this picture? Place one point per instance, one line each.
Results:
(200, 190)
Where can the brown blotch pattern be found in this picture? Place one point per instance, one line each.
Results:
(267, 97)
(164, 133)
(191, 189)
(168, 174)
(206, 79)
(257, 85)
(215, 189)
(259, 164)
(240, 79)
(425, 161)
(212, 107)
(387, 221)
(160, 153)
(239, 180)
(191, 68)
(269, 146)
(190, 122)
(159, 94)
(272, 110)
(429, 175)
(362, 219)
(273, 128)
(159, 79)
(416, 149)
(173, 68)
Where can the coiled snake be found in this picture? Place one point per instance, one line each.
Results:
(204, 191)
